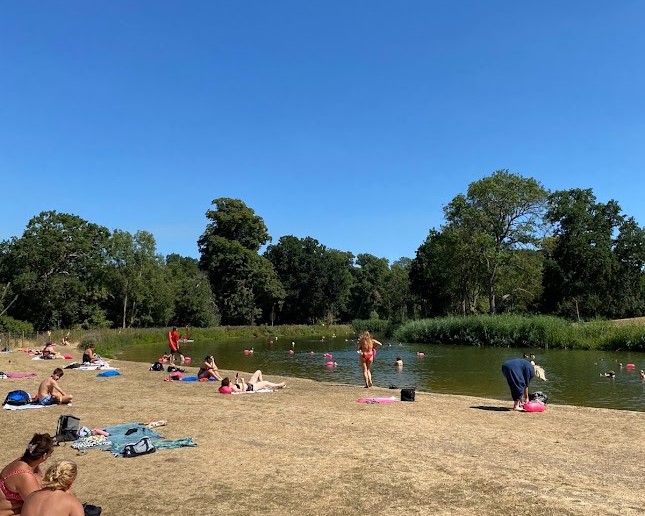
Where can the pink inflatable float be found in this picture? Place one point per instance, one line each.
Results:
(534, 406)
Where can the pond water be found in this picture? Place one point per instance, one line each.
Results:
(573, 376)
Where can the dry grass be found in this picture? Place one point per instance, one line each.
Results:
(311, 449)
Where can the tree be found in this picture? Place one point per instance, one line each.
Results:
(368, 287)
(316, 280)
(499, 213)
(136, 280)
(578, 273)
(244, 283)
(398, 301)
(55, 271)
(194, 303)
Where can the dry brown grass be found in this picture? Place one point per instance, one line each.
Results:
(311, 449)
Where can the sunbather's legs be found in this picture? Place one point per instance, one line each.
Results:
(256, 377)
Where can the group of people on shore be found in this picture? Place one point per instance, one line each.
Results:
(25, 490)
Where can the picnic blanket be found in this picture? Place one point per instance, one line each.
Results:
(127, 433)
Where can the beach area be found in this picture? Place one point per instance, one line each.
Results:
(312, 449)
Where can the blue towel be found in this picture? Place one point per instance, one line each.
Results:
(110, 372)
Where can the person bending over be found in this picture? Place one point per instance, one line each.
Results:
(22, 477)
(209, 369)
(366, 352)
(50, 393)
(518, 373)
(54, 499)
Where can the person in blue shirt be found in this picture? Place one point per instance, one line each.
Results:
(518, 373)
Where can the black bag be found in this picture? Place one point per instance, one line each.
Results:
(142, 447)
(157, 366)
(539, 396)
(18, 397)
(91, 510)
(67, 429)
(408, 394)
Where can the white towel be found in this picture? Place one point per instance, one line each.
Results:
(253, 392)
(23, 407)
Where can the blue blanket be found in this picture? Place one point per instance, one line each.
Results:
(127, 433)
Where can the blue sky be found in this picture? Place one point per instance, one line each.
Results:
(353, 122)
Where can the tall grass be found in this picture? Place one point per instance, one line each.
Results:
(524, 331)
(107, 341)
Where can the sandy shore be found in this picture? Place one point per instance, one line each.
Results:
(311, 449)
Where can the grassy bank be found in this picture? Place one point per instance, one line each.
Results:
(107, 342)
(525, 331)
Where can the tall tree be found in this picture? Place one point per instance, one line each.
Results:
(245, 284)
(316, 280)
(500, 213)
(368, 288)
(194, 303)
(55, 271)
(578, 273)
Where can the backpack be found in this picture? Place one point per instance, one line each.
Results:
(539, 396)
(67, 429)
(142, 447)
(157, 366)
(18, 397)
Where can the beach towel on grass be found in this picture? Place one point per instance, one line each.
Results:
(253, 392)
(15, 376)
(95, 367)
(128, 433)
(194, 379)
(24, 407)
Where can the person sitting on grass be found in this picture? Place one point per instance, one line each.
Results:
(209, 369)
(88, 355)
(22, 477)
(54, 499)
(49, 351)
(50, 393)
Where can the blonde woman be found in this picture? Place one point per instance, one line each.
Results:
(366, 352)
(54, 499)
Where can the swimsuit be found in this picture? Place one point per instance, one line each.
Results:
(86, 358)
(10, 495)
(249, 387)
(47, 400)
(368, 354)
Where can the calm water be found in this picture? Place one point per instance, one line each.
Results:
(574, 376)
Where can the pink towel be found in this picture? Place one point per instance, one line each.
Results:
(20, 375)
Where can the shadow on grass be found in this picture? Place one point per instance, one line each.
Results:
(492, 409)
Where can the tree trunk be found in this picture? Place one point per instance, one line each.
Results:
(125, 308)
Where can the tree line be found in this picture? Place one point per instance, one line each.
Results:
(506, 245)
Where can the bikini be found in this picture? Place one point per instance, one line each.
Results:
(368, 354)
(8, 493)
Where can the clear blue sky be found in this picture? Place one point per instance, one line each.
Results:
(353, 122)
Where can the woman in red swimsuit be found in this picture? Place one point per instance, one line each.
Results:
(23, 476)
(366, 351)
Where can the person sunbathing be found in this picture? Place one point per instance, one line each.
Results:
(228, 388)
(209, 369)
(54, 499)
(256, 383)
(22, 477)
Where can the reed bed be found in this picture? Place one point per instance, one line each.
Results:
(524, 331)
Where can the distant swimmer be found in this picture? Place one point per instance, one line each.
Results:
(609, 374)
(398, 362)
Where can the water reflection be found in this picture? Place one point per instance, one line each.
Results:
(574, 376)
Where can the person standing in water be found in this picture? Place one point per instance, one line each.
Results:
(366, 352)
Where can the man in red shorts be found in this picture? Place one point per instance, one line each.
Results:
(173, 342)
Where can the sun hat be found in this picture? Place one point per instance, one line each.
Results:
(539, 372)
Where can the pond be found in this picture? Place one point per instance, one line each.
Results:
(573, 376)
